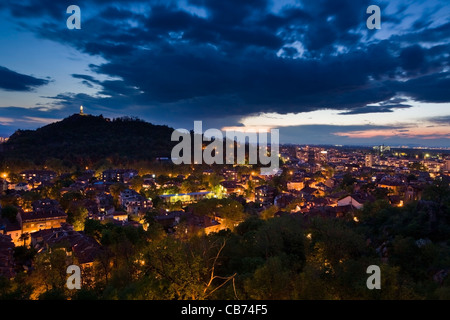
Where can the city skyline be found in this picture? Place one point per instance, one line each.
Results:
(313, 70)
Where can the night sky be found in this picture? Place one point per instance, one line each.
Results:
(309, 68)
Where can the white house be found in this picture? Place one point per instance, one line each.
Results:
(349, 200)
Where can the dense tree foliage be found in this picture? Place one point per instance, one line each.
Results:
(93, 141)
(9, 212)
(263, 257)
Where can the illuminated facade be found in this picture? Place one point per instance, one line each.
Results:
(186, 198)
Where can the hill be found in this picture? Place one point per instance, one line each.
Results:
(86, 139)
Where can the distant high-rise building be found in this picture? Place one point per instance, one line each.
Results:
(301, 155)
(447, 165)
(382, 149)
(369, 160)
(311, 157)
(322, 156)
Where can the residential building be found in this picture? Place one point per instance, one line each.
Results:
(46, 214)
(119, 175)
(413, 193)
(170, 219)
(79, 248)
(296, 184)
(356, 200)
(265, 195)
(134, 203)
(232, 187)
(6, 257)
(433, 166)
(309, 192)
(283, 200)
(350, 201)
(105, 203)
(149, 183)
(187, 198)
(195, 224)
(394, 186)
(229, 174)
(3, 185)
(12, 229)
(446, 165)
(118, 216)
(22, 186)
(38, 175)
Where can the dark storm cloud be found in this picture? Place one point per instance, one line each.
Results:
(32, 9)
(377, 109)
(169, 61)
(12, 118)
(428, 88)
(445, 120)
(331, 22)
(437, 34)
(19, 112)
(385, 106)
(169, 76)
(14, 81)
(412, 57)
(86, 78)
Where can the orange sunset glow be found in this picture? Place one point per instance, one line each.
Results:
(441, 132)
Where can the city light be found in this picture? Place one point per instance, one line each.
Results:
(294, 152)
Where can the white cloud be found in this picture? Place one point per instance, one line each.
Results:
(399, 117)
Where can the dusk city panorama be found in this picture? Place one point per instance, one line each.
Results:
(224, 151)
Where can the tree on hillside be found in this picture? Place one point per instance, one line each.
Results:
(9, 212)
(77, 215)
